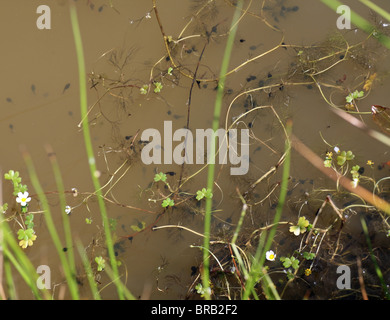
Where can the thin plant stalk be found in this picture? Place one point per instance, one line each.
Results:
(70, 277)
(16, 256)
(128, 295)
(88, 271)
(65, 217)
(215, 126)
(2, 293)
(373, 258)
(8, 277)
(261, 250)
(376, 8)
(88, 145)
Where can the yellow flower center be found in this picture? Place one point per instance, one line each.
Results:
(272, 257)
(23, 199)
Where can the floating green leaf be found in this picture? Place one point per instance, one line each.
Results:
(354, 95)
(290, 262)
(344, 156)
(204, 193)
(300, 227)
(101, 263)
(160, 177)
(309, 255)
(144, 89)
(168, 202)
(158, 87)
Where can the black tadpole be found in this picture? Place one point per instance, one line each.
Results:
(66, 87)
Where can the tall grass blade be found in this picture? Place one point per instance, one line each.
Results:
(259, 259)
(88, 271)
(215, 126)
(15, 255)
(65, 217)
(377, 9)
(373, 258)
(88, 145)
(70, 277)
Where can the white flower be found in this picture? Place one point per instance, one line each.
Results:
(68, 209)
(336, 149)
(23, 198)
(270, 255)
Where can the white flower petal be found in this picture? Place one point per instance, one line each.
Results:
(270, 255)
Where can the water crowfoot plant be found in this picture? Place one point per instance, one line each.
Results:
(301, 227)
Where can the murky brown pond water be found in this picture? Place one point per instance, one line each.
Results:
(123, 46)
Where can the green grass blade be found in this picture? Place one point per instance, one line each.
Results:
(65, 217)
(20, 261)
(88, 144)
(128, 295)
(211, 168)
(259, 259)
(377, 9)
(71, 279)
(88, 271)
(373, 258)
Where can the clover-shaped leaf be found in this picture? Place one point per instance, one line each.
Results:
(100, 262)
(160, 176)
(344, 156)
(290, 262)
(204, 193)
(309, 255)
(158, 86)
(168, 202)
(300, 227)
(144, 89)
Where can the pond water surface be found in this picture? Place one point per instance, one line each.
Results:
(278, 43)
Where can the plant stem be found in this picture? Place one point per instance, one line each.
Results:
(257, 267)
(70, 277)
(88, 145)
(210, 175)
